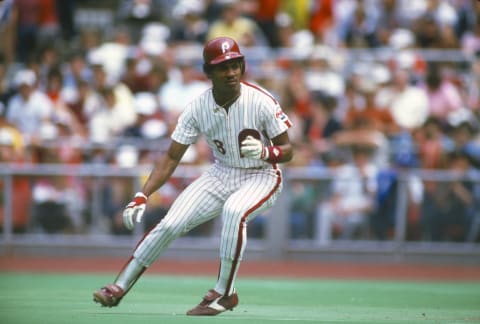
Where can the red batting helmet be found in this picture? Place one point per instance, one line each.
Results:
(219, 50)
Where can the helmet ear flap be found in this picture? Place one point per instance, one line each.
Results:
(242, 63)
(207, 69)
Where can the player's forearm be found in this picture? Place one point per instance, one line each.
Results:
(164, 167)
(287, 153)
(284, 152)
(161, 172)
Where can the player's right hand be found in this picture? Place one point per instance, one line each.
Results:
(135, 210)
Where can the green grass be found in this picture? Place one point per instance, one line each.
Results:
(67, 299)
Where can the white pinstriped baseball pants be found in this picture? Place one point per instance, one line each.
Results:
(236, 194)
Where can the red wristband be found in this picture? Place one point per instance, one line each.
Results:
(274, 154)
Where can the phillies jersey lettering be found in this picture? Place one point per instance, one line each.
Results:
(255, 112)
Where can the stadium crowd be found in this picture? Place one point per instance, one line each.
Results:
(372, 88)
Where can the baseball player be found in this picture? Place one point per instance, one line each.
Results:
(247, 130)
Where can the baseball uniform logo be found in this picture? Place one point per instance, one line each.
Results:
(276, 151)
(280, 115)
(225, 47)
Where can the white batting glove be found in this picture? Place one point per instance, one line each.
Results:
(135, 210)
(254, 149)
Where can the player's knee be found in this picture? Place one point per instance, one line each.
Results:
(234, 212)
(169, 228)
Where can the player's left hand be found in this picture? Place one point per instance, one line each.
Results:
(254, 149)
(134, 210)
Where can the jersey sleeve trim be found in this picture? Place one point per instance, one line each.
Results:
(258, 88)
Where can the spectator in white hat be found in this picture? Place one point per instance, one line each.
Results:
(29, 108)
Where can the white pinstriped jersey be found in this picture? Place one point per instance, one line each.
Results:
(255, 112)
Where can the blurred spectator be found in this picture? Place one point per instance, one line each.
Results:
(49, 27)
(323, 125)
(467, 13)
(298, 11)
(112, 54)
(390, 18)
(7, 89)
(304, 195)
(8, 18)
(470, 41)
(136, 75)
(61, 113)
(359, 29)
(407, 103)
(50, 212)
(473, 86)
(346, 214)
(406, 55)
(443, 96)
(48, 59)
(448, 208)
(443, 12)
(296, 95)
(90, 39)
(157, 77)
(322, 20)
(437, 210)
(433, 32)
(11, 152)
(13, 138)
(57, 207)
(175, 94)
(212, 10)
(189, 25)
(232, 24)
(64, 194)
(404, 149)
(85, 102)
(75, 71)
(27, 19)
(289, 37)
(366, 110)
(265, 16)
(427, 32)
(464, 134)
(65, 127)
(322, 74)
(135, 14)
(123, 96)
(432, 143)
(113, 117)
(398, 190)
(149, 124)
(401, 39)
(65, 10)
(153, 42)
(364, 134)
(30, 108)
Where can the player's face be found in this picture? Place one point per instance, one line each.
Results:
(226, 76)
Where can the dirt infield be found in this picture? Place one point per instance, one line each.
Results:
(293, 269)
